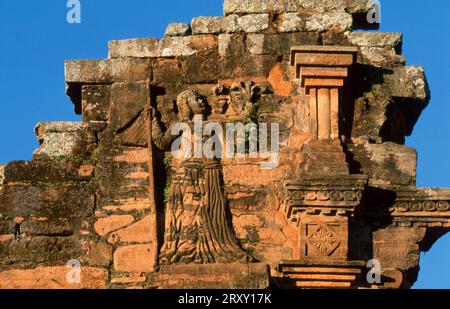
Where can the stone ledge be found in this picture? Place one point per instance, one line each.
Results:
(275, 44)
(106, 71)
(214, 276)
(409, 82)
(58, 139)
(376, 39)
(165, 48)
(252, 23)
(87, 71)
(326, 263)
(359, 6)
(290, 22)
(423, 202)
(315, 273)
(209, 24)
(257, 7)
(102, 72)
(381, 57)
(178, 29)
(57, 127)
(280, 6)
(338, 21)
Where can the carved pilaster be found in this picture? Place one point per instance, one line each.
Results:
(322, 200)
(322, 71)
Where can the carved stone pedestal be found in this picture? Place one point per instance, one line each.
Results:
(213, 276)
(322, 209)
(317, 275)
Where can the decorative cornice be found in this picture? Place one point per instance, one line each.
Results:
(427, 202)
(419, 207)
(328, 196)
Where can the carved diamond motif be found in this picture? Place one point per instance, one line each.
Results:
(324, 240)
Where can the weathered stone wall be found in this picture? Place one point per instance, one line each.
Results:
(47, 211)
(95, 191)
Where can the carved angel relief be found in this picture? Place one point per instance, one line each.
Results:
(197, 223)
(238, 102)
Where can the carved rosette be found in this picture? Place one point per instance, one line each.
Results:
(323, 237)
(324, 240)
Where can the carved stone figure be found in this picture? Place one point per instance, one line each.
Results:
(221, 99)
(243, 98)
(197, 225)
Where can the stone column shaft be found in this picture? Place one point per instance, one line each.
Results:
(334, 113)
(324, 113)
(313, 113)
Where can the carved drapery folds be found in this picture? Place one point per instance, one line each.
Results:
(328, 208)
(197, 224)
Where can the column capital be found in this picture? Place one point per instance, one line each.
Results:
(322, 66)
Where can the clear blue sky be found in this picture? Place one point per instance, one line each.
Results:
(36, 39)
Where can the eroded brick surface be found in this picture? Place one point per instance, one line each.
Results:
(108, 192)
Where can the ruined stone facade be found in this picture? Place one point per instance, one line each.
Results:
(107, 191)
